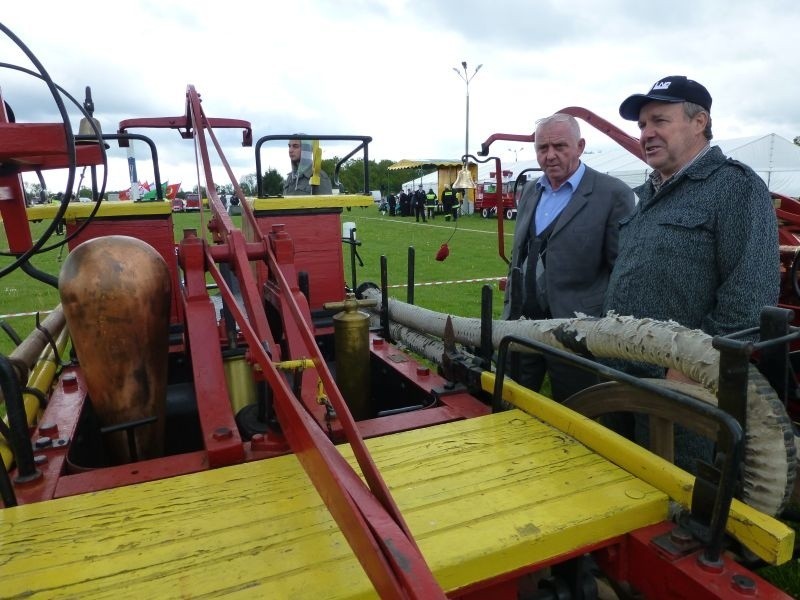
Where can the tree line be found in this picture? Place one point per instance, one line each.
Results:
(350, 179)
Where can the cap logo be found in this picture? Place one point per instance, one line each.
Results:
(662, 85)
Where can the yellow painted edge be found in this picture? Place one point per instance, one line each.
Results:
(81, 210)
(767, 537)
(327, 201)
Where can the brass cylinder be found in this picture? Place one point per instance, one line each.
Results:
(115, 292)
(239, 377)
(351, 338)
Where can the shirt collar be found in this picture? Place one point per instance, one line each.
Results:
(572, 181)
(658, 181)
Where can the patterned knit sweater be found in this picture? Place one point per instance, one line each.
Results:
(702, 251)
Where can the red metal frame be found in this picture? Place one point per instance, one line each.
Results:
(367, 516)
(657, 573)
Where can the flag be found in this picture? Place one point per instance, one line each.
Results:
(172, 191)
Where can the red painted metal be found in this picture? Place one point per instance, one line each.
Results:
(318, 250)
(12, 213)
(630, 143)
(220, 432)
(657, 574)
(63, 411)
(96, 480)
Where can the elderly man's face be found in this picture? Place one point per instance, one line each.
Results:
(558, 151)
(669, 139)
(294, 150)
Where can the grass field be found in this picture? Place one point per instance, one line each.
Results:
(473, 255)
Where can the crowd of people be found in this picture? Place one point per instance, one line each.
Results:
(421, 204)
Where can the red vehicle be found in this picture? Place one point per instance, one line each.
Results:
(486, 197)
(192, 202)
(178, 205)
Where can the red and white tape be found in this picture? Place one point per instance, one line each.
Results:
(402, 285)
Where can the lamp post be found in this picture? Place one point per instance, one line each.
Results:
(515, 151)
(466, 78)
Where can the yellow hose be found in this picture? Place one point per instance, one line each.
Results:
(41, 379)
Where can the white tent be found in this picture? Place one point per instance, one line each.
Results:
(775, 159)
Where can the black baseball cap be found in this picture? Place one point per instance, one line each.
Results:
(675, 88)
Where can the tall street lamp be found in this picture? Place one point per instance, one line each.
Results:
(464, 180)
(515, 151)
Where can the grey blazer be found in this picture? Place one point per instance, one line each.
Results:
(583, 246)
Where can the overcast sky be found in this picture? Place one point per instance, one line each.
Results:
(384, 68)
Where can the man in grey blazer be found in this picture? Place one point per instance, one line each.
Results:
(565, 246)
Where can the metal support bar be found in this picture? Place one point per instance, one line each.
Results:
(385, 299)
(353, 259)
(130, 433)
(18, 423)
(774, 359)
(487, 348)
(410, 279)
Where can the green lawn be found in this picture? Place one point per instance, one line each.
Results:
(473, 255)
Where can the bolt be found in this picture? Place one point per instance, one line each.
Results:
(680, 537)
(744, 585)
(43, 442)
(222, 433)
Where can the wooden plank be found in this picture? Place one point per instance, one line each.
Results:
(482, 497)
(765, 536)
(108, 208)
(319, 201)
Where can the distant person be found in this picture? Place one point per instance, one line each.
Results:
(392, 200)
(449, 202)
(430, 203)
(701, 248)
(298, 181)
(565, 246)
(419, 204)
(404, 203)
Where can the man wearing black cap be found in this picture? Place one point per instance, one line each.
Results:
(701, 248)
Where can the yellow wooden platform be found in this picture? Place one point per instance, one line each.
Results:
(482, 497)
(81, 210)
(300, 202)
